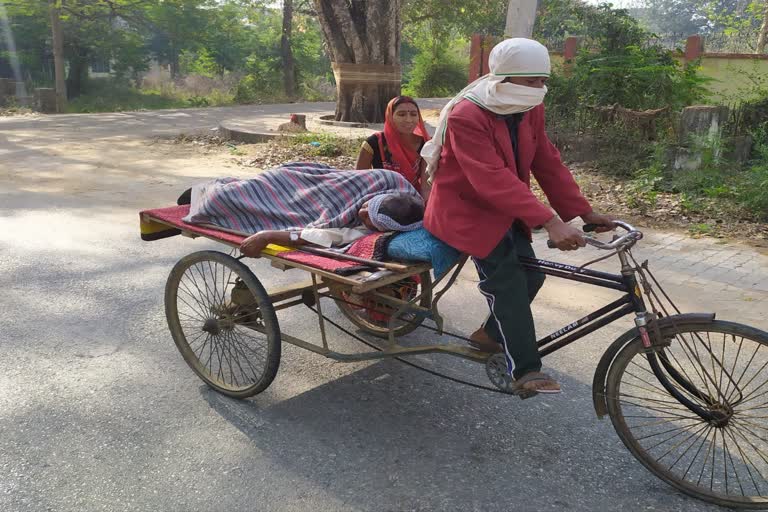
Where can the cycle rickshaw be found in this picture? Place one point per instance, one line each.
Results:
(686, 393)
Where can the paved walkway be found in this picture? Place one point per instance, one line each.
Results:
(700, 274)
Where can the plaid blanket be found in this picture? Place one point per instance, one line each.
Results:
(292, 196)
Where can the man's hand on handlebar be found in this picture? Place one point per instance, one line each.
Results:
(563, 236)
(600, 223)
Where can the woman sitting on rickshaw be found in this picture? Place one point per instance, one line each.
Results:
(397, 147)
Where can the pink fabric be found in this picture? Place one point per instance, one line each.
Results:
(317, 261)
(173, 215)
(364, 247)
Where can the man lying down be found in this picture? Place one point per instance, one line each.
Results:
(308, 203)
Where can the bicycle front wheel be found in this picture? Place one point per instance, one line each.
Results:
(720, 453)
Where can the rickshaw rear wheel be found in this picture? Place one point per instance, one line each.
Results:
(373, 317)
(232, 344)
(719, 367)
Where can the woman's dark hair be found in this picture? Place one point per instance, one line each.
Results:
(402, 208)
(404, 99)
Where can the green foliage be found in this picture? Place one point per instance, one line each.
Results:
(112, 95)
(457, 18)
(753, 189)
(263, 66)
(644, 188)
(715, 179)
(637, 78)
(436, 77)
(200, 63)
(700, 229)
(326, 144)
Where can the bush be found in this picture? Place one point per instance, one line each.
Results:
(436, 76)
(317, 88)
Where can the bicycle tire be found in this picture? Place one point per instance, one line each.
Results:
(708, 356)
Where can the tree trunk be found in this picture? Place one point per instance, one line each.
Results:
(174, 63)
(57, 37)
(763, 38)
(290, 87)
(363, 38)
(78, 72)
(521, 15)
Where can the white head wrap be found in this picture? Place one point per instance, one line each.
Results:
(511, 57)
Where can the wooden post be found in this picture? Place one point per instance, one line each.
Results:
(521, 15)
(475, 57)
(694, 47)
(487, 45)
(570, 48)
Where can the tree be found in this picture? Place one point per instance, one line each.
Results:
(363, 39)
(57, 38)
(763, 37)
(178, 26)
(290, 86)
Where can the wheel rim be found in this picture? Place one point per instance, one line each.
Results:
(224, 336)
(722, 457)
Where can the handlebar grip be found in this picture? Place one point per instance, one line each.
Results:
(588, 228)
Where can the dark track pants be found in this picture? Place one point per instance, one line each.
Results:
(510, 289)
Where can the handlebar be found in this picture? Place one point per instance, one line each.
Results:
(626, 240)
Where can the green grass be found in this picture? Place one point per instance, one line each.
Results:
(108, 96)
(326, 144)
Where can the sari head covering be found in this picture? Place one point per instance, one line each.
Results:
(406, 158)
(510, 58)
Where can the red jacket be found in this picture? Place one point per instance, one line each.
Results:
(478, 191)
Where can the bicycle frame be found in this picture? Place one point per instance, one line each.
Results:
(630, 302)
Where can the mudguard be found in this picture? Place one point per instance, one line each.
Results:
(601, 371)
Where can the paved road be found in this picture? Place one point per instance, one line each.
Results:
(99, 412)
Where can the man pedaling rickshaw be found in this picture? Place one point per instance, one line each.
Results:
(489, 140)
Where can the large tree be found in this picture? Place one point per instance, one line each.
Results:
(290, 85)
(762, 39)
(363, 39)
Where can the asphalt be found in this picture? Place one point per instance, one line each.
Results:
(99, 412)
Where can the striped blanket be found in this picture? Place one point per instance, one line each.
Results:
(292, 196)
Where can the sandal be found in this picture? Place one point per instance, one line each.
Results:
(536, 377)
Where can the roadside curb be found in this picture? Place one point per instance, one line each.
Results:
(234, 131)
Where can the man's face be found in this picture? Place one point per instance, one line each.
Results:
(365, 218)
(528, 81)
